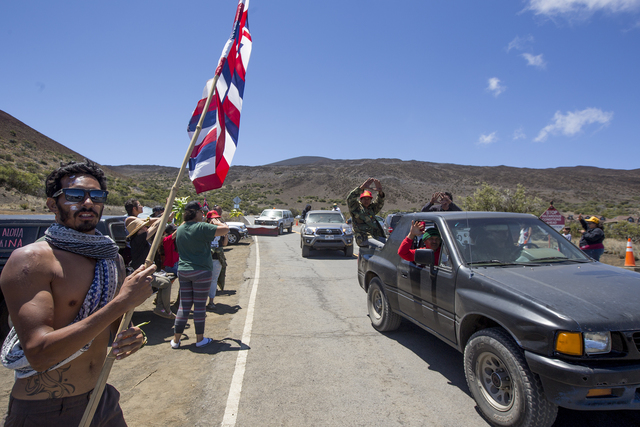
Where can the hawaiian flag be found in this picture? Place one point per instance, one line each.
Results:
(214, 149)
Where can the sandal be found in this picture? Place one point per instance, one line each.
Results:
(175, 345)
(204, 342)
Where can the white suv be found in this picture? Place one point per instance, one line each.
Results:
(280, 218)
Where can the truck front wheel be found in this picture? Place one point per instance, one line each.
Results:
(506, 391)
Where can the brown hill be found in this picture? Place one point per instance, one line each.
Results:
(320, 181)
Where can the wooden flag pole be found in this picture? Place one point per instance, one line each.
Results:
(126, 319)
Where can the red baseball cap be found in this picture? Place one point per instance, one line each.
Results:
(212, 214)
(366, 193)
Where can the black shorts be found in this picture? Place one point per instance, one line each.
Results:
(66, 411)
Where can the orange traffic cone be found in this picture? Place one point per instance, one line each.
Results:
(629, 260)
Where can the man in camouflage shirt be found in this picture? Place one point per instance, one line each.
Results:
(363, 211)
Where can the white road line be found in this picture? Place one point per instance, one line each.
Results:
(233, 401)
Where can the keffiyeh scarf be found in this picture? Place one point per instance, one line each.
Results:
(102, 290)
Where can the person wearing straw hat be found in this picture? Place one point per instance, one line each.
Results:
(66, 296)
(195, 270)
(141, 233)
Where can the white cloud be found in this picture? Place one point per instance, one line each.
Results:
(573, 122)
(519, 134)
(535, 60)
(580, 8)
(495, 86)
(487, 139)
(520, 43)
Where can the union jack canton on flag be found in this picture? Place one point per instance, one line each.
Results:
(214, 149)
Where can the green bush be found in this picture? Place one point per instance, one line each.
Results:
(488, 198)
(623, 230)
(24, 182)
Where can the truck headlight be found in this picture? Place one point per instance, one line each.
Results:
(309, 230)
(597, 342)
(573, 343)
(347, 230)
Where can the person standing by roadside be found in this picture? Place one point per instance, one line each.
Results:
(566, 233)
(141, 233)
(216, 249)
(66, 296)
(363, 210)
(195, 269)
(171, 256)
(592, 237)
(133, 207)
(220, 252)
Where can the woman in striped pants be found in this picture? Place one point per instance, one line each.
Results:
(193, 242)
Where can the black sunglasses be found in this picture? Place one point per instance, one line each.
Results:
(78, 195)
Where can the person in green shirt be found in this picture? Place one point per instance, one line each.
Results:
(195, 270)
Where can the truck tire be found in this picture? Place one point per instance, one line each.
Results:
(506, 391)
(280, 230)
(306, 250)
(382, 318)
(234, 237)
(290, 229)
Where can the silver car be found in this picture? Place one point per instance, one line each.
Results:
(237, 231)
(326, 230)
(280, 218)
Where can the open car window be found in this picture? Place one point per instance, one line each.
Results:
(511, 241)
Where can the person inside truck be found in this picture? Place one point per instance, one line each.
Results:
(429, 238)
(490, 244)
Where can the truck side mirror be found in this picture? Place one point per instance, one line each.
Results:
(425, 257)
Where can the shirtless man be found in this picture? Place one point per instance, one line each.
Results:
(48, 288)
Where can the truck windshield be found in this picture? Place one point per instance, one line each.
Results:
(509, 241)
(325, 217)
(270, 213)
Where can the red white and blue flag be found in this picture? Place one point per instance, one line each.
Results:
(214, 149)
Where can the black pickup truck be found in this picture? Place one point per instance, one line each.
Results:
(540, 324)
(20, 230)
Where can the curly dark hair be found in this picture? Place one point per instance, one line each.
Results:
(53, 182)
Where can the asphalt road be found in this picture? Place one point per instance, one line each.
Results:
(315, 360)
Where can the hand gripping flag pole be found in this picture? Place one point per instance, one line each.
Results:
(237, 34)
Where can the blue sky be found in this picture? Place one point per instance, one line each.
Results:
(535, 83)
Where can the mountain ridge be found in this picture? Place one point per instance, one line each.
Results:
(321, 181)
